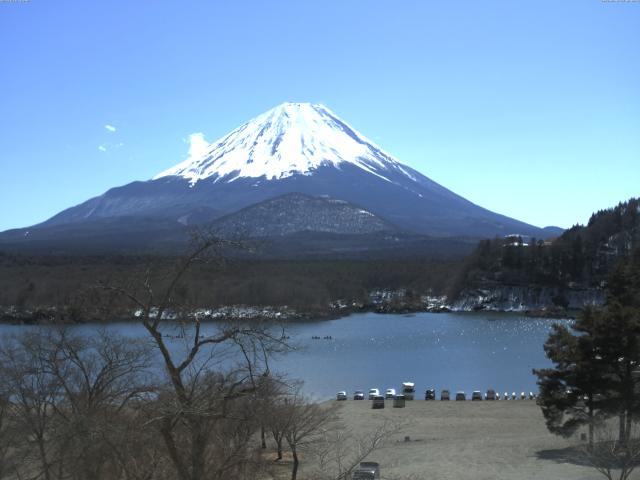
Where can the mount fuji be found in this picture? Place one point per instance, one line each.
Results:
(294, 148)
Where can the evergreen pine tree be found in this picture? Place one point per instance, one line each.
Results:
(571, 393)
(596, 371)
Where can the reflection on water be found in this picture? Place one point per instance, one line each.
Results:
(457, 351)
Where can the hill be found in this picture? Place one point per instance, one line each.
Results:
(516, 272)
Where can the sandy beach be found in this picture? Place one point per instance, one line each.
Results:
(467, 440)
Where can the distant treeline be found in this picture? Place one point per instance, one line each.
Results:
(28, 282)
(581, 257)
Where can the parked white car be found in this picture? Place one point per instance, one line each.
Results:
(342, 395)
(373, 392)
(390, 393)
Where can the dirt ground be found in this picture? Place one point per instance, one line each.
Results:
(468, 440)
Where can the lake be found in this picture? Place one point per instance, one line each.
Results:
(457, 351)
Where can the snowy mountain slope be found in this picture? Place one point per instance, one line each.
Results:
(290, 139)
(293, 148)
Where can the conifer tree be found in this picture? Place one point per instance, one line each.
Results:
(596, 370)
(571, 392)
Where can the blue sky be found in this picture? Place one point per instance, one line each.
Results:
(530, 109)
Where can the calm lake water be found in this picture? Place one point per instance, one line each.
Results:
(457, 351)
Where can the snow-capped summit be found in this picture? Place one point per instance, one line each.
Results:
(295, 148)
(292, 138)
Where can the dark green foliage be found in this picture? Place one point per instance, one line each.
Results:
(596, 370)
(64, 282)
(624, 283)
(570, 393)
(581, 257)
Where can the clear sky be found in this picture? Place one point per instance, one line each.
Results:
(528, 108)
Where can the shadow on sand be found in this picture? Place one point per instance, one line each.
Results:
(577, 455)
(572, 455)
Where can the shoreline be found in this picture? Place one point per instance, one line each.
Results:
(53, 316)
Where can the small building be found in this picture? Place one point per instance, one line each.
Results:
(399, 401)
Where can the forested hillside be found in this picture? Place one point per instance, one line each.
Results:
(29, 284)
(509, 273)
(581, 258)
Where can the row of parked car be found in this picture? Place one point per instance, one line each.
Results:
(430, 394)
(477, 395)
(407, 392)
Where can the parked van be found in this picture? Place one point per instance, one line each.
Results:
(444, 395)
(461, 396)
(408, 390)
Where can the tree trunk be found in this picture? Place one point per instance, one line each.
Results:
(43, 459)
(627, 433)
(622, 435)
(296, 462)
(174, 454)
(198, 445)
(590, 423)
(277, 437)
(262, 437)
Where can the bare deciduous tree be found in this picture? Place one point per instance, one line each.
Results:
(65, 393)
(203, 415)
(32, 393)
(302, 424)
(98, 378)
(277, 424)
(339, 451)
(7, 447)
(614, 459)
(92, 406)
(137, 452)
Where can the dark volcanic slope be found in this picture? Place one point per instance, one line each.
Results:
(422, 207)
(119, 234)
(293, 148)
(295, 212)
